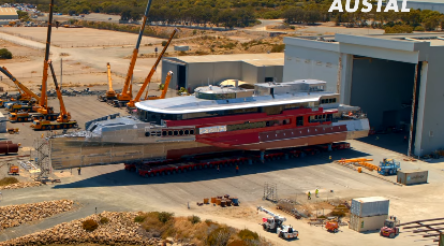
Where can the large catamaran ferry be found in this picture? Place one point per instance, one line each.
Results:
(215, 119)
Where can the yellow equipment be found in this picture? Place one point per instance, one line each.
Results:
(126, 95)
(23, 115)
(132, 103)
(110, 93)
(362, 162)
(13, 130)
(64, 119)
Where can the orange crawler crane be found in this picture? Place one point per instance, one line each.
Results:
(63, 120)
(147, 81)
(126, 95)
(44, 111)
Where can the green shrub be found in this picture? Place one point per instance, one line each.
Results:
(5, 54)
(246, 234)
(90, 225)
(278, 48)
(194, 32)
(161, 86)
(419, 29)
(220, 236)
(194, 219)
(104, 220)
(338, 213)
(165, 216)
(140, 218)
(8, 181)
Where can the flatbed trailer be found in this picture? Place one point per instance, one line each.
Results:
(175, 166)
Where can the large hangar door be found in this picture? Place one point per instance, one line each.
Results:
(181, 78)
(384, 90)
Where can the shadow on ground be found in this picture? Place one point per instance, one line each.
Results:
(391, 141)
(125, 178)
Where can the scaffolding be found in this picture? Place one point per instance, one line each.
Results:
(42, 155)
(270, 192)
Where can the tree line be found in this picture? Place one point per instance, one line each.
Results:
(243, 13)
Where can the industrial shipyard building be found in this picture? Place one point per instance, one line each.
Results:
(396, 79)
(7, 15)
(191, 72)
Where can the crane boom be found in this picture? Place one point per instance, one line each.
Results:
(110, 93)
(165, 87)
(153, 69)
(63, 112)
(20, 85)
(43, 98)
(125, 95)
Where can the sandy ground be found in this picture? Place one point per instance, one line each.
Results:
(65, 37)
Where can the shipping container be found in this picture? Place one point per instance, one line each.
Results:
(361, 224)
(412, 177)
(370, 206)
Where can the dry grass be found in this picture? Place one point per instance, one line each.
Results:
(200, 233)
(8, 181)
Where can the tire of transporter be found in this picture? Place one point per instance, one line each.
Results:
(392, 235)
(162, 173)
(147, 175)
(168, 173)
(281, 235)
(151, 174)
(157, 174)
(179, 171)
(265, 227)
(173, 172)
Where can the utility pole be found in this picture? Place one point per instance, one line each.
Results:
(61, 69)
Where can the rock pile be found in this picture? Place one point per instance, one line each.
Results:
(120, 229)
(15, 215)
(20, 185)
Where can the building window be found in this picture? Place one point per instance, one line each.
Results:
(170, 133)
(176, 133)
(147, 134)
(191, 132)
(186, 132)
(181, 132)
(164, 133)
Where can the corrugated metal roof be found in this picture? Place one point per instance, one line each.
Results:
(254, 59)
(8, 11)
(371, 199)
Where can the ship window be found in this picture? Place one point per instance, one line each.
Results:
(181, 132)
(300, 120)
(332, 100)
(285, 122)
(159, 134)
(191, 132)
(186, 132)
(147, 134)
(170, 133)
(164, 133)
(176, 133)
